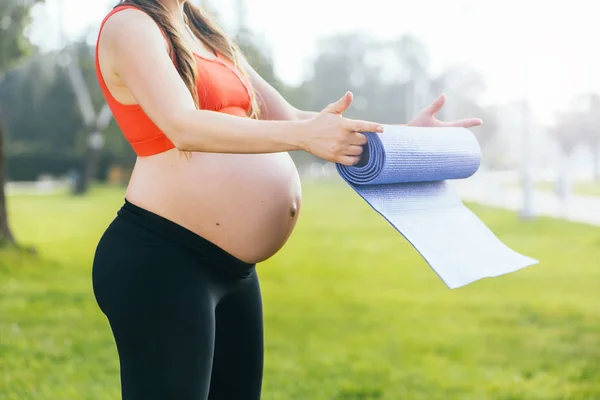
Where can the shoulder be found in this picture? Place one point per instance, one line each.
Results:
(131, 27)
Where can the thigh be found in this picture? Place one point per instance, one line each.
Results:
(161, 311)
(238, 359)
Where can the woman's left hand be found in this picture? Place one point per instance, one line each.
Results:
(426, 117)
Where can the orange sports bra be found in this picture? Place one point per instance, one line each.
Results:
(220, 88)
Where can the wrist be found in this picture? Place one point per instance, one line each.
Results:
(304, 115)
(296, 135)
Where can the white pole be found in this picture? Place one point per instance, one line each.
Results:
(527, 179)
(527, 211)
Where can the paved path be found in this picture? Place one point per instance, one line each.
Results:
(486, 190)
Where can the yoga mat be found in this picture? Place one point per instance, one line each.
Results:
(403, 175)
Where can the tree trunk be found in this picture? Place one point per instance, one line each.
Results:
(88, 173)
(5, 233)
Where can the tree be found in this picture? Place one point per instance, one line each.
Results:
(254, 51)
(389, 79)
(13, 47)
(44, 130)
(339, 66)
(589, 105)
(578, 125)
(465, 87)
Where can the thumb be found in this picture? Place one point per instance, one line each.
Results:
(436, 105)
(341, 105)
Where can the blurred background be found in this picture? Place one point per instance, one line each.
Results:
(355, 318)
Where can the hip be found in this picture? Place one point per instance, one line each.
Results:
(144, 261)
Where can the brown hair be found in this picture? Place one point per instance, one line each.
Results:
(207, 30)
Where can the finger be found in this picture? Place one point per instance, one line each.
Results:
(358, 139)
(341, 105)
(436, 105)
(353, 150)
(348, 160)
(463, 123)
(364, 126)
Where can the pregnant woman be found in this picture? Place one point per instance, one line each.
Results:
(213, 192)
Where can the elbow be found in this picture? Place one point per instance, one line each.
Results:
(183, 145)
(188, 142)
(183, 142)
(179, 133)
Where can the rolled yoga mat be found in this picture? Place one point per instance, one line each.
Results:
(403, 175)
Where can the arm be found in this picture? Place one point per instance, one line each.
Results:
(135, 52)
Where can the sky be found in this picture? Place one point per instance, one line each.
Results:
(543, 50)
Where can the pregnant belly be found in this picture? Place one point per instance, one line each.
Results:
(247, 204)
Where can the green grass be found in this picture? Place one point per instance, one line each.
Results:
(351, 311)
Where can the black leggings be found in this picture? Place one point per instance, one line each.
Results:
(186, 315)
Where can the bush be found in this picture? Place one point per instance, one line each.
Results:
(29, 165)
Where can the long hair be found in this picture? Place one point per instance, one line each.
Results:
(207, 30)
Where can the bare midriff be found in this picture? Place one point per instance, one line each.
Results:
(247, 204)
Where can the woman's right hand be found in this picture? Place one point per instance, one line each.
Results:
(333, 138)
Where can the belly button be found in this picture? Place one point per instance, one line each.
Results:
(293, 211)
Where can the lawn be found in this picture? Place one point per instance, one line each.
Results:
(351, 311)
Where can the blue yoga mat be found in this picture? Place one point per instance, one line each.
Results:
(403, 174)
